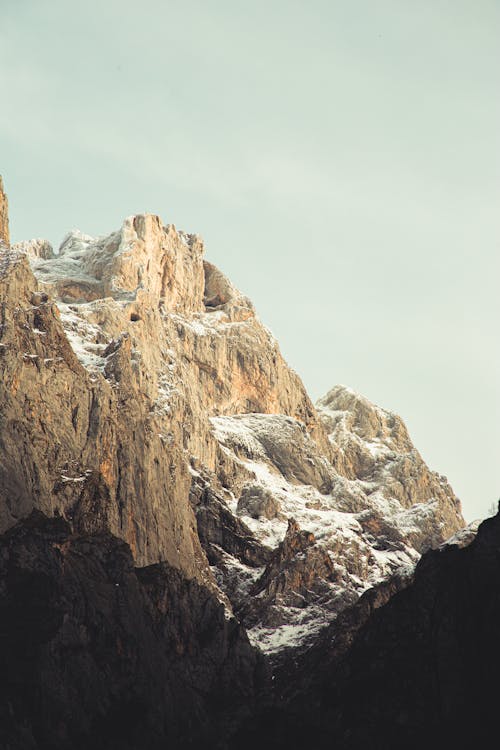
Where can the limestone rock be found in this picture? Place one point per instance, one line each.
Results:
(147, 417)
(143, 259)
(373, 445)
(141, 395)
(297, 575)
(364, 526)
(257, 502)
(4, 215)
(79, 445)
(222, 533)
(220, 294)
(416, 658)
(34, 249)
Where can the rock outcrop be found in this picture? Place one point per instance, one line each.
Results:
(142, 396)
(84, 446)
(414, 663)
(371, 510)
(372, 446)
(172, 505)
(4, 215)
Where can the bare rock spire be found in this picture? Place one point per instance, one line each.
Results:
(4, 215)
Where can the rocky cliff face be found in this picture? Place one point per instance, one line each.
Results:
(81, 445)
(191, 552)
(358, 517)
(142, 396)
(95, 653)
(4, 215)
(414, 663)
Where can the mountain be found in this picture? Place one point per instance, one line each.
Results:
(148, 418)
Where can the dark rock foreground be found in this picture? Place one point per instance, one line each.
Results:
(414, 664)
(95, 653)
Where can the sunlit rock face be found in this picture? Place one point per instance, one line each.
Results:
(80, 444)
(367, 511)
(4, 215)
(141, 395)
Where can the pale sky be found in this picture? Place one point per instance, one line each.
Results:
(340, 159)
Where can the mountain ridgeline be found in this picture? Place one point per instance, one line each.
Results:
(185, 537)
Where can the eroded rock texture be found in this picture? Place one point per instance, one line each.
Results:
(4, 215)
(147, 418)
(83, 445)
(414, 663)
(371, 508)
(141, 395)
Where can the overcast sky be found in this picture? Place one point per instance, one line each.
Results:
(340, 158)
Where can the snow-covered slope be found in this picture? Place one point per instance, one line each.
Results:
(365, 526)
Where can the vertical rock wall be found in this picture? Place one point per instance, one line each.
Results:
(4, 215)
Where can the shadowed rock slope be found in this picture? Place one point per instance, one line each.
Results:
(413, 664)
(95, 653)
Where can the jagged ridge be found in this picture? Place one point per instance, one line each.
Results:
(150, 416)
(414, 663)
(178, 406)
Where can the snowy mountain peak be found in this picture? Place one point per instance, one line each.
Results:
(175, 422)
